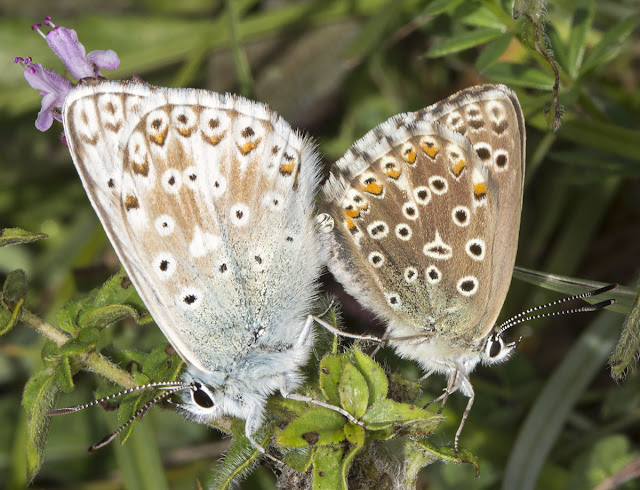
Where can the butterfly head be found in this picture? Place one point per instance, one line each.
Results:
(496, 350)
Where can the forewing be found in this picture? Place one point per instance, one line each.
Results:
(207, 199)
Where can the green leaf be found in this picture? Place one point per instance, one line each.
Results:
(580, 26)
(449, 455)
(240, 459)
(354, 434)
(86, 340)
(354, 393)
(331, 367)
(374, 376)
(15, 236)
(63, 375)
(603, 136)
(384, 413)
(493, 51)
(104, 316)
(68, 314)
(520, 76)
(327, 474)
(299, 459)
(162, 363)
(15, 286)
(606, 48)
(460, 42)
(438, 7)
(50, 353)
(119, 290)
(316, 427)
(40, 394)
(626, 350)
(347, 461)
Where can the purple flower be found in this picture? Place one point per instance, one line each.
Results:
(64, 42)
(54, 87)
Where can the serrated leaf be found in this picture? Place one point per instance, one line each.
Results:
(605, 49)
(15, 236)
(384, 413)
(316, 427)
(374, 376)
(461, 42)
(104, 316)
(87, 339)
(353, 390)
(354, 434)
(63, 375)
(520, 76)
(331, 367)
(493, 51)
(327, 474)
(40, 394)
(580, 26)
(438, 7)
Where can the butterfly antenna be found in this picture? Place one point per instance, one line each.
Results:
(138, 414)
(525, 316)
(161, 385)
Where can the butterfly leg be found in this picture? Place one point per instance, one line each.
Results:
(452, 387)
(308, 399)
(250, 426)
(468, 390)
(337, 331)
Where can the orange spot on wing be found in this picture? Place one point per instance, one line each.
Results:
(458, 167)
(410, 156)
(374, 188)
(249, 146)
(352, 213)
(480, 190)
(213, 140)
(131, 202)
(287, 168)
(159, 138)
(430, 149)
(350, 224)
(392, 172)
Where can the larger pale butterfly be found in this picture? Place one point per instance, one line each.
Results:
(208, 202)
(427, 210)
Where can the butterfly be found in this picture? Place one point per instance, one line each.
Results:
(427, 213)
(208, 201)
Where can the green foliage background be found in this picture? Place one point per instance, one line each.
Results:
(551, 417)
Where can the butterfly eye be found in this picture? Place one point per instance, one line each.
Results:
(495, 347)
(201, 398)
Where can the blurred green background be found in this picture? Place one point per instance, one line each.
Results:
(549, 418)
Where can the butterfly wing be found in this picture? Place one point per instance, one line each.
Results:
(422, 236)
(207, 200)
